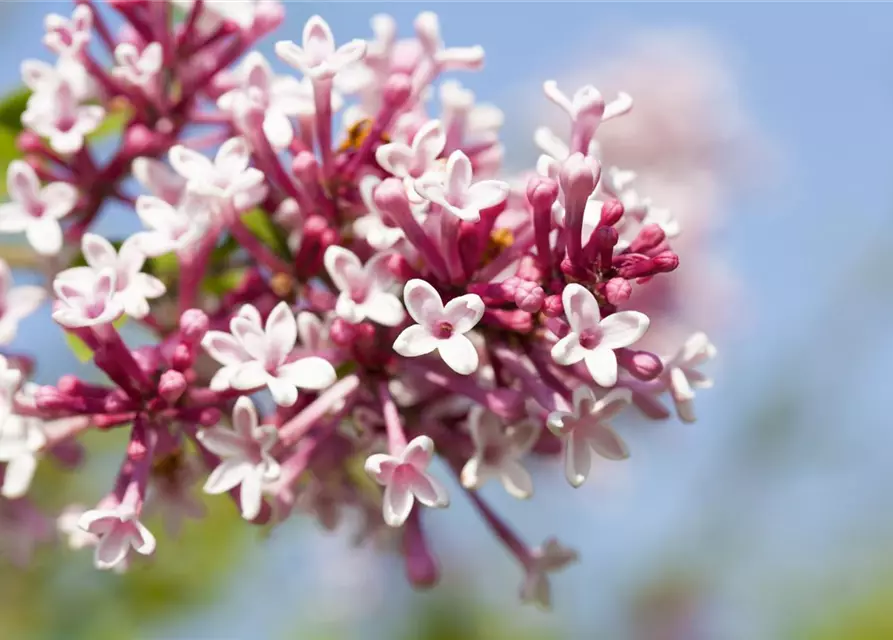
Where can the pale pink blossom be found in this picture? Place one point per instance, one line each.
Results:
(549, 558)
(365, 289)
(498, 451)
(119, 530)
(59, 116)
(371, 226)
(593, 340)
(36, 210)
(87, 298)
(587, 108)
(172, 228)
(159, 179)
(21, 438)
(140, 68)
(227, 350)
(43, 78)
(318, 58)
(16, 303)
(427, 27)
(268, 347)
(406, 480)
(682, 377)
(455, 192)
(245, 457)
(413, 161)
(584, 430)
(441, 327)
(68, 37)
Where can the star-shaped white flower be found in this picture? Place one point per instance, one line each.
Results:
(140, 68)
(87, 298)
(498, 451)
(454, 191)
(119, 530)
(682, 377)
(587, 107)
(228, 179)
(21, 438)
(441, 327)
(371, 227)
(245, 457)
(258, 355)
(16, 303)
(34, 210)
(585, 429)
(58, 115)
(68, 37)
(592, 339)
(318, 58)
(549, 558)
(43, 78)
(172, 228)
(364, 289)
(414, 161)
(406, 480)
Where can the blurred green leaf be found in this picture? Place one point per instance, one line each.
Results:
(8, 152)
(224, 282)
(260, 224)
(12, 107)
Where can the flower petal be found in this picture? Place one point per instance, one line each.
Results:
(459, 354)
(623, 329)
(226, 475)
(606, 443)
(581, 308)
(245, 418)
(464, 312)
(577, 459)
(516, 479)
(312, 373)
(380, 467)
(415, 341)
(344, 267)
(281, 331)
(284, 393)
(423, 302)
(385, 309)
(397, 502)
(395, 158)
(602, 366)
(568, 350)
(418, 453)
(429, 491)
(251, 495)
(45, 235)
(615, 401)
(224, 348)
(190, 164)
(222, 442)
(112, 548)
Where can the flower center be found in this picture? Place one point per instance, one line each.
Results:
(590, 338)
(443, 330)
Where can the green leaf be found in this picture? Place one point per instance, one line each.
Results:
(12, 107)
(8, 152)
(260, 224)
(222, 283)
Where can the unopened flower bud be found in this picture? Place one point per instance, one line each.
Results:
(665, 262)
(612, 211)
(578, 178)
(209, 417)
(342, 332)
(553, 307)
(529, 296)
(617, 291)
(171, 386)
(650, 236)
(304, 167)
(182, 358)
(641, 364)
(193, 325)
(48, 398)
(139, 141)
(541, 192)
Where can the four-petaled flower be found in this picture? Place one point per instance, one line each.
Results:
(587, 108)
(257, 355)
(585, 429)
(441, 327)
(119, 530)
(406, 480)
(36, 210)
(364, 289)
(498, 450)
(228, 179)
(549, 558)
(140, 68)
(59, 116)
(16, 303)
(410, 162)
(372, 226)
(245, 457)
(68, 37)
(87, 298)
(318, 58)
(682, 377)
(172, 228)
(454, 191)
(592, 339)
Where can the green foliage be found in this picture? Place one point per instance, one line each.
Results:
(260, 224)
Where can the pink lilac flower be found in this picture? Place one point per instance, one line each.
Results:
(245, 457)
(406, 480)
(498, 450)
(68, 37)
(455, 192)
(409, 162)
(318, 57)
(372, 226)
(584, 429)
(16, 303)
(682, 377)
(140, 68)
(159, 179)
(592, 339)
(440, 327)
(172, 228)
(549, 558)
(119, 530)
(36, 210)
(364, 288)
(87, 298)
(21, 438)
(59, 116)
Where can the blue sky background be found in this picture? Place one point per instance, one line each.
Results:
(768, 507)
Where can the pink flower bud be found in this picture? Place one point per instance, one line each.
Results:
(171, 386)
(578, 178)
(642, 364)
(182, 358)
(650, 236)
(529, 296)
(193, 325)
(553, 307)
(665, 262)
(139, 140)
(617, 290)
(342, 332)
(541, 192)
(305, 167)
(612, 211)
(397, 90)
(209, 417)
(52, 399)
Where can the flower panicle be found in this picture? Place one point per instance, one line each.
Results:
(320, 295)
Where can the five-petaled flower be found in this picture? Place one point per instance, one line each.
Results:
(585, 429)
(36, 210)
(318, 58)
(406, 480)
(454, 191)
(441, 327)
(258, 355)
(682, 377)
(364, 289)
(549, 558)
(592, 339)
(245, 457)
(498, 450)
(119, 530)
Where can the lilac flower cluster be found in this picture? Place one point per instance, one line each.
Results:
(416, 306)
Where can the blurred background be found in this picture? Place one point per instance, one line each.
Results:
(767, 129)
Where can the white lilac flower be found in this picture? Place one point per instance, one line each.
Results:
(140, 68)
(134, 288)
(87, 298)
(456, 193)
(405, 479)
(427, 27)
(172, 228)
(593, 340)
(585, 429)
(159, 179)
(228, 179)
(43, 78)
(410, 162)
(318, 58)
(364, 288)
(682, 377)
(16, 303)
(441, 327)
(245, 457)
(371, 227)
(119, 530)
(21, 438)
(68, 37)
(256, 355)
(587, 107)
(59, 116)
(549, 558)
(498, 451)
(36, 210)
